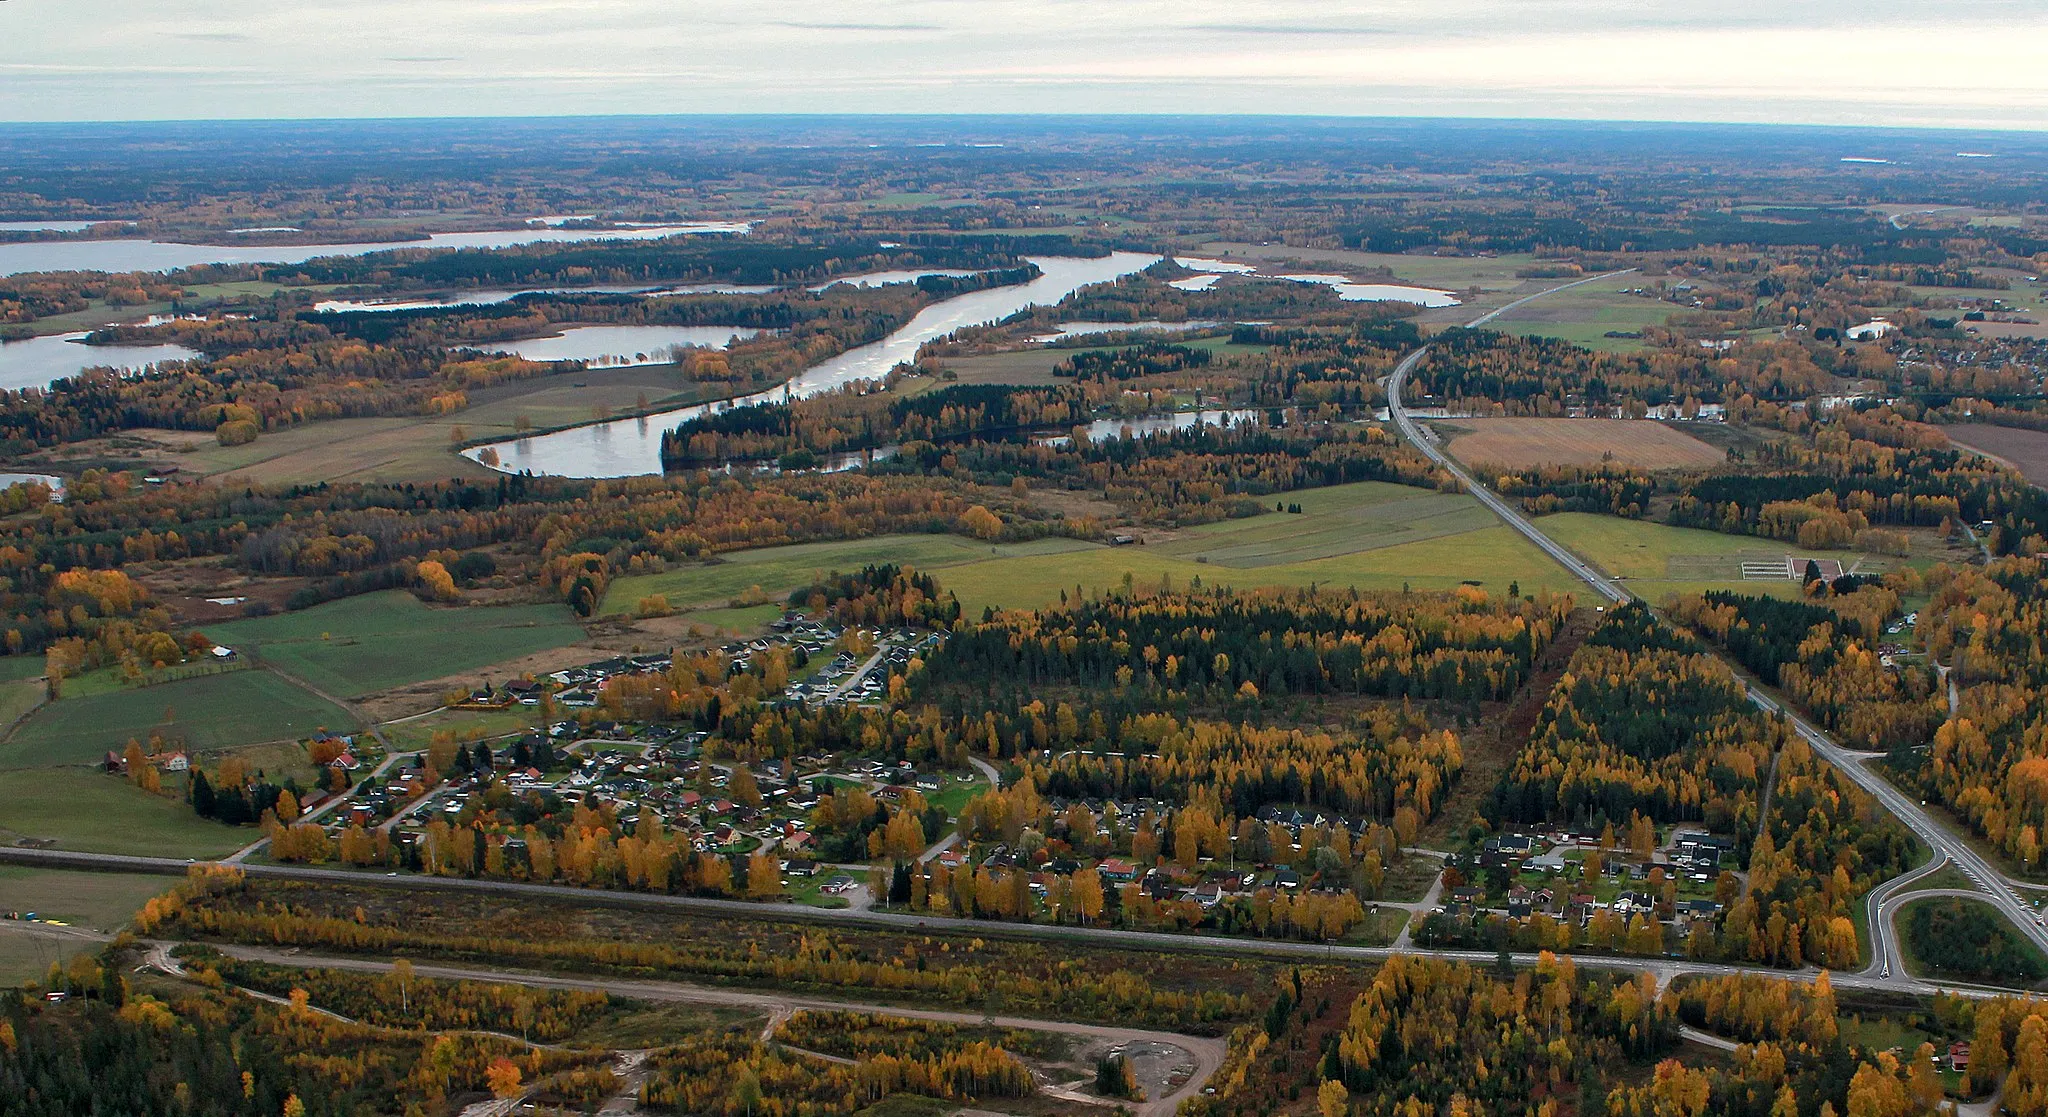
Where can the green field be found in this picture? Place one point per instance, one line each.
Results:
(418, 732)
(214, 712)
(1657, 560)
(102, 901)
(361, 645)
(98, 813)
(1493, 557)
(1585, 315)
(778, 570)
(1340, 520)
(1371, 535)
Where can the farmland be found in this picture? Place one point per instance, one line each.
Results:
(2024, 450)
(1588, 313)
(366, 644)
(777, 570)
(1492, 557)
(101, 901)
(1657, 560)
(1370, 535)
(1521, 442)
(83, 810)
(209, 713)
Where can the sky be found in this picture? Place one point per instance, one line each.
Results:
(1863, 62)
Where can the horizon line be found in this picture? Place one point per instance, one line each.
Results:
(1048, 115)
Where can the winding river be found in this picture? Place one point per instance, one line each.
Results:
(630, 447)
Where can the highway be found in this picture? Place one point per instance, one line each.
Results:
(1947, 846)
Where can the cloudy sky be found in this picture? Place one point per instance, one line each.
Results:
(1888, 62)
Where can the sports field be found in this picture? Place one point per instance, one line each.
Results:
(96, 813)
(362, 645)
(1517, 443)
(210, 713)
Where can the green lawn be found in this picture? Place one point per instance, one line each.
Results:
(98, 813)
(362, 645)
(213, 712)
(778, 570)
(1658, 560)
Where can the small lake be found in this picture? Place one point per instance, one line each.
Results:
(152, 255)
(1090, 329)
(493, 297)
(1347, 289)
(621, 345)
(1139, 426)
(630, 447)
(887, 278)
(39, 360)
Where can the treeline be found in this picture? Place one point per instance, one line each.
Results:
(1430, 1036)
(194, 1050)
(1988, 626)
(1200, 474)
(1267, 642)
(738, 1076)
(1105, 987)
(1644, 720)
(879, 595)
(1133, 362)
(1493, 373)
(399, 999)
(854, 420)
(1825, 657)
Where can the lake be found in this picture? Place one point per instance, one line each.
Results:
(1139, 426)
(886, 278)
(152, 255)
(1089, 329)
(39, 360)
(629, 447)
(619, 345)
(1347, 289)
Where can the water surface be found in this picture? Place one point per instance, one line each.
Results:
(621, 345)
(132, 254)
(628, 447)
(36, 362)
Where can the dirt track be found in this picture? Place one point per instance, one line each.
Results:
(1206, 1054)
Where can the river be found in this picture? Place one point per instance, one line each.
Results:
(630, 447)
(494, 296)
(130, 255)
